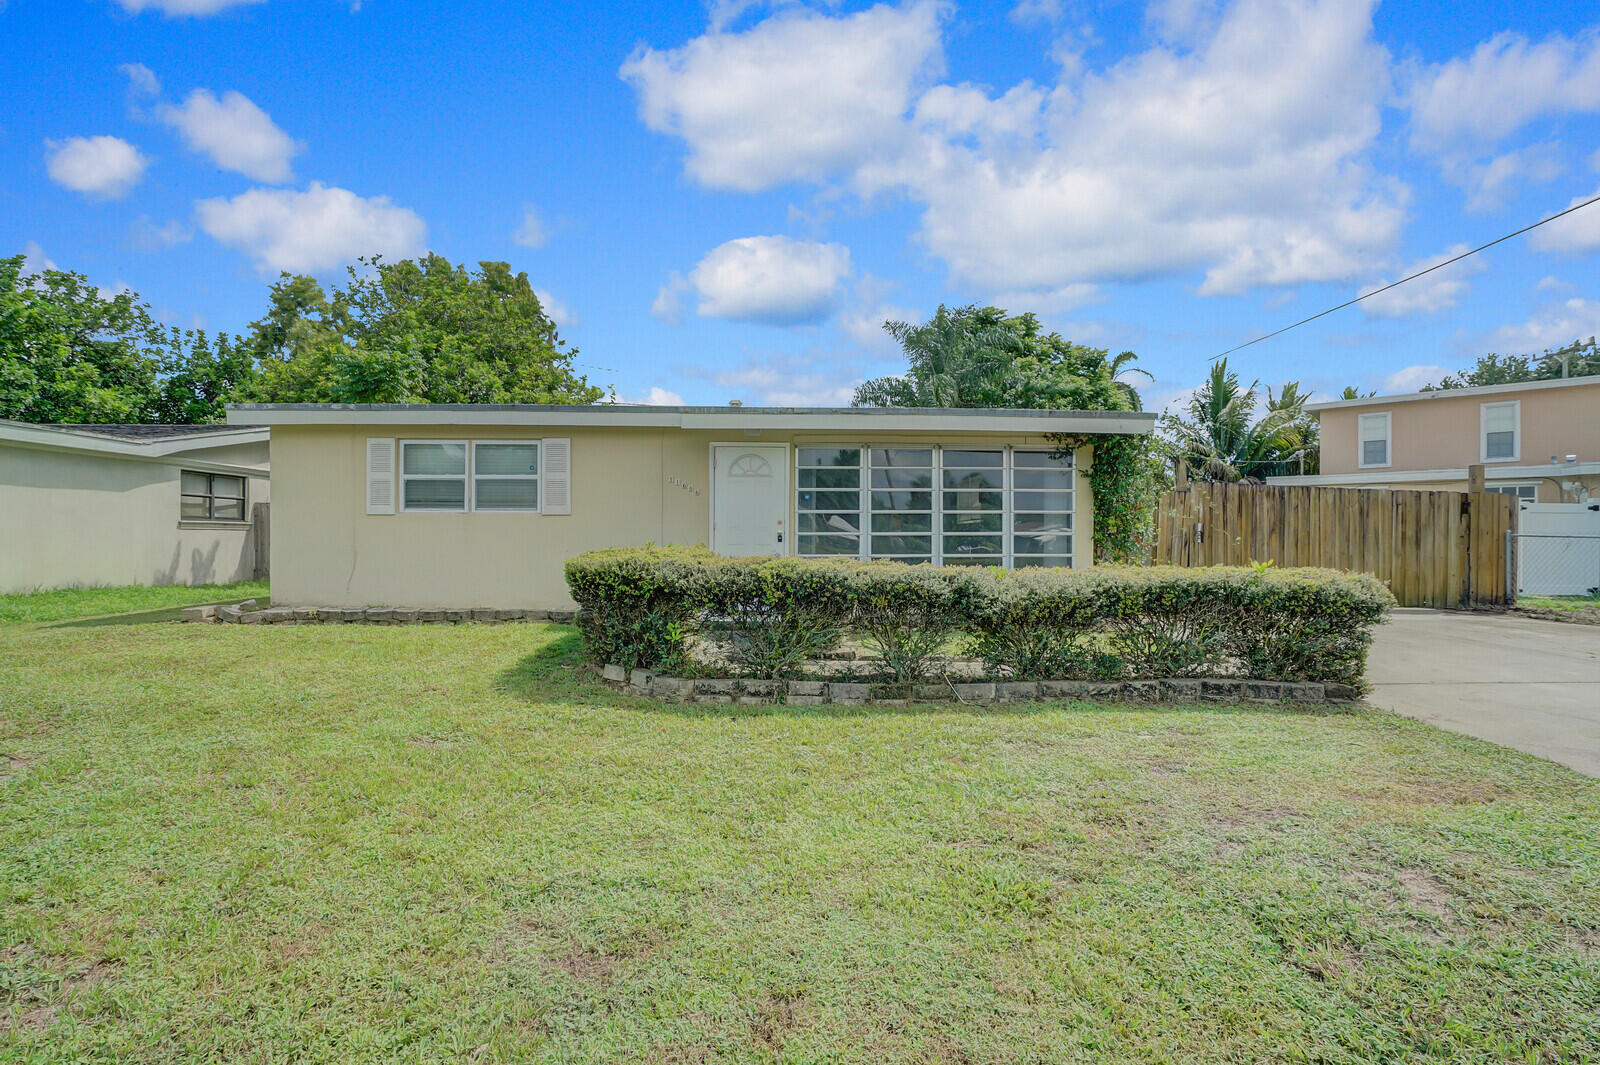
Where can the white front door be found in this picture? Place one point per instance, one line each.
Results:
(750, 499)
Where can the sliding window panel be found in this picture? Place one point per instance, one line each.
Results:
(972, 507)
(1041, 505)
(828, 501)
(901, 503)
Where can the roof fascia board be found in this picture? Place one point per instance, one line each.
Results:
(1456, 393)
(45, 436)
(1117, 422)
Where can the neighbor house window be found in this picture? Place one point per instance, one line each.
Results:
(1527, 493)
(505, 475)
(1374, 433)
(433, 475)
(951, 506)
(1501, 424)
(212, 497)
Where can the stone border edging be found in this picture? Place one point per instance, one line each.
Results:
(245, 613)
(729, 691)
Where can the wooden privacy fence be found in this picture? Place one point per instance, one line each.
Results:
(1439, 549)
(261, 538)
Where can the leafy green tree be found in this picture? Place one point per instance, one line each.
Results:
(423, 331)
(69, 353)
(1352, 392)
(983, 357)
(1581, 358)
(199, 376)
(1221, 438)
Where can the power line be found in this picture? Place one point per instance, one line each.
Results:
(1413, 277)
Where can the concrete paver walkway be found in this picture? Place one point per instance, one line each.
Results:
(1532, 685)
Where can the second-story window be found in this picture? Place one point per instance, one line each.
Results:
(1501, 422)
(1374, 439)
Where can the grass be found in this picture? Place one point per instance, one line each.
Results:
(1569, 603)
(378, 844)
(70, 603)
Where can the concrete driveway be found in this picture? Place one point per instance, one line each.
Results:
(1532, 685)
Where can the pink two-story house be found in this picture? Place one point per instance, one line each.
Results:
(1538, 440)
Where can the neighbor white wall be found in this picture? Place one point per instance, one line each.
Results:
(70, 519)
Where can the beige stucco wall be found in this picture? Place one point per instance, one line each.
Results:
(1442, 433)
(627, 489)
(70, 519)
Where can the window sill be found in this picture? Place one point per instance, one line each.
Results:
(212, 523)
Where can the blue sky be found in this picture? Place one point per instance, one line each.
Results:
(725, 201)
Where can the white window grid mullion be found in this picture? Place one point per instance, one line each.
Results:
(1008, 511)
(936, 547)
(864, 499)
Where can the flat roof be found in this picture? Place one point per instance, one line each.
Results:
(144, 441)
(1454, 393)
(958, 419)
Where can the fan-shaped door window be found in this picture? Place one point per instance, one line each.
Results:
(750, 465)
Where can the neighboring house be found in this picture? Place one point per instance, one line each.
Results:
(480, 506)
(1538, 440)
(85, 505)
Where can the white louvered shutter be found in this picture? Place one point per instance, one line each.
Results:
(555, 460)
(380, 475)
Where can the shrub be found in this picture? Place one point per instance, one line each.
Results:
(640, 608)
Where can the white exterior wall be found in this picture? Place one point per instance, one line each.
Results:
(79, 519)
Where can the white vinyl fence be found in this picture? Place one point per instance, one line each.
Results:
(1556, 549)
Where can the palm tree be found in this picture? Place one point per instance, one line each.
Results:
(1222, 440)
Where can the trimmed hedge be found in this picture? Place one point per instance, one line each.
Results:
(642, 606)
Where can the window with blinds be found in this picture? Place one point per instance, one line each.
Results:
(1500, 424)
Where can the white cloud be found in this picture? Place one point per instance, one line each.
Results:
(145, 235)
(657, 397)
(141, 79)
(559, 312)
(770, 280)
(105, 167)
(1412, 378)
(1242, 151)
(34, 260)
(1051, 301)
(1428, 294)
(814, 379)
(1577, 232)
(235, 133)
(797, 97)
(668, 304)
(531, 232)
(177, 8)
(1551, 326)
(1503, 85)
(304, 232)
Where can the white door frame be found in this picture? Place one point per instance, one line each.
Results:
(788, 478)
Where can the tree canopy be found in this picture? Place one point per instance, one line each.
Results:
(1581, 358)
(983, 357)
(423, 331)
(1221, 439)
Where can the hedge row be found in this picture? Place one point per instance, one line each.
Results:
(641, 607)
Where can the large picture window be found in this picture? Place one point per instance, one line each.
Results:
(433, 475)
(211, 497)
(951, 506)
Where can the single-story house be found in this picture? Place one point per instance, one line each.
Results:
(1536, 440)
(454, 505)
(86, 505)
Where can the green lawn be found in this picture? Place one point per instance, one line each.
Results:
(377, 844)
(69, 603)
(1583, 604)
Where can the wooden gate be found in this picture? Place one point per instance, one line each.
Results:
(261, 538)
(1438, 549)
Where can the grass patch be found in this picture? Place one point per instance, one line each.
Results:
(375, 844)
(1561, 602)
(66, 604)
